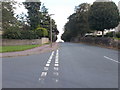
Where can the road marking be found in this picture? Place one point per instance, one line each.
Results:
(56, 80)
(56, 73)
(51, 55)
(48, 62)
(56, 62)
(47, 65)
(44, 74)
(56, 68)
(56, 59)
(46, 68)
(41, 79)
(56, 65)
(111, 59)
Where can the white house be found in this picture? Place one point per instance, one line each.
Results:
(102, 0)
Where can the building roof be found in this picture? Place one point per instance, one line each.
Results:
(102, 0)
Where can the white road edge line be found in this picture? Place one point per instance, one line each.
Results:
(111, 59)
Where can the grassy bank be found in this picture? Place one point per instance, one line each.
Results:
(116, 38)
(16, 48)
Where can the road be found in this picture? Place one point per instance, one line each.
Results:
(71, 66)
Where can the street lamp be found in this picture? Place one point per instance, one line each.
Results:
(51, 29)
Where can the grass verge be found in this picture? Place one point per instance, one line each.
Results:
(116, 38)
(4, 49)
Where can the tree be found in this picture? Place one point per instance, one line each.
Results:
(45, 18)
(41, 32)
(103, 15)
(8, 18)
(77, 25)
(33, 13)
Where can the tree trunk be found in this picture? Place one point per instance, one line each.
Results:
(103, 33)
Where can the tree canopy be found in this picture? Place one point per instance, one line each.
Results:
(103, 15)
(33, 25)
(78, 23)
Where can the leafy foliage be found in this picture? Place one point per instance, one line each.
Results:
(37, 25)
(78, 23)
(111, 34)
(41, 32)
(103, 15)
(8, 19)
(33, 13)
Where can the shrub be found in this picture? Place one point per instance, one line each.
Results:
(16, 33)
(41, 32)
(28, 34)
(118, 34)
(110, 34)
(12, 33)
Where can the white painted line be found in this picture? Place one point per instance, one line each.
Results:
(56, 59)
(48, 62)
(56, 68)
(57, 51)
(56, 62)
(41, 79)
(56, 80)
(56, 73)
(56, 65)
(111, 59)
(51, 55)
(47, 65)
(43, 74)
(46, 68)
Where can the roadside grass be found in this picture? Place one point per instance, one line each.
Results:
(4, 49)
(116, 38)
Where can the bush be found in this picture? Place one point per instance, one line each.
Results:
(110, 34)
(41, 32)
(118, 34)
(12, 33)
(28, 34)
(16, 33)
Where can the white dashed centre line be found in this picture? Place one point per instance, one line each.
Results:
(47, 65)
(56, 68)
(56, 65)
(111, 59)
(56, 73)
(48, 62)
(56, 62)
(43, 74)
(46, 68)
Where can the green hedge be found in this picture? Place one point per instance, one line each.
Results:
(110, 34)
(16, 33)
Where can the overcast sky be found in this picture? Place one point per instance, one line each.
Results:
(62, 9)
